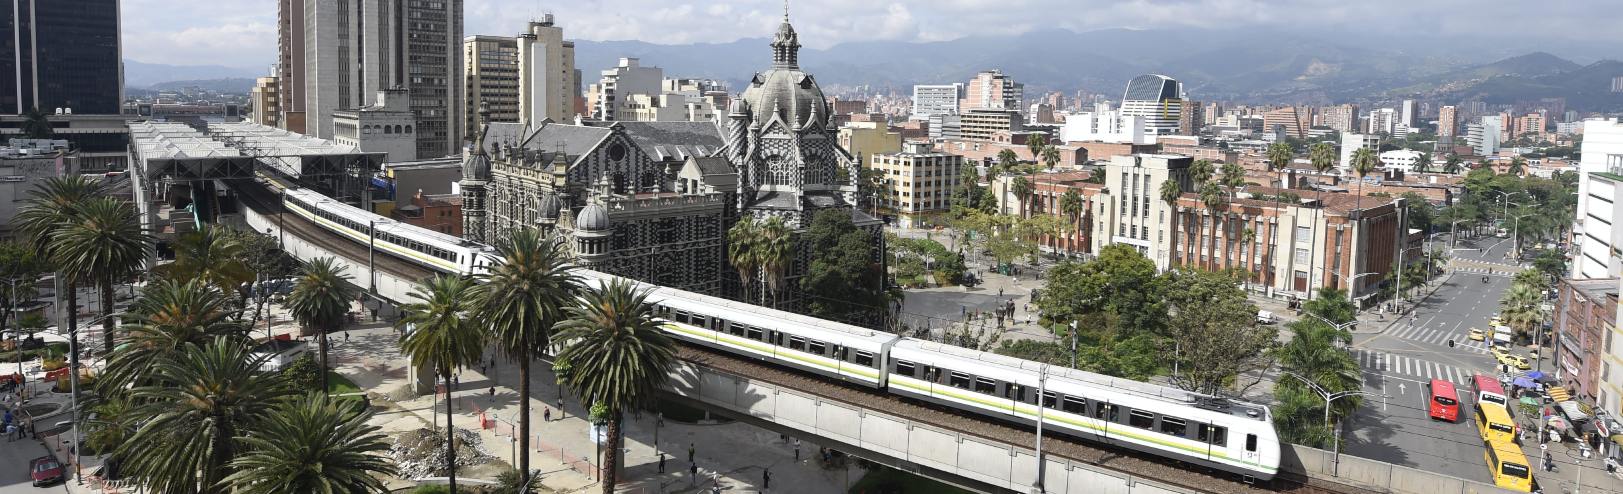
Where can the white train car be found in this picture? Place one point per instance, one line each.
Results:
(1230, 436)
(434, 250)
(838, 351)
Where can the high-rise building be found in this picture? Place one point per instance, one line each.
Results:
(1156, 98)
(1342, 118)
(937, 99)
(614, 90)
(1531, 125)
(1410, 111)
(491, 79)
(1382, 121)
(1289, 119)
(63, 55)
(1484, 137)
(263, 97)
(1594, 229)
(1351, 143)
(354, 49)
(548, 83)
(1192, 119)
(993, 90)
(1448, 121)
(290, 64)
(979, 124)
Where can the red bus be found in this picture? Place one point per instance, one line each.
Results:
(1486, 389)
(1442, 401)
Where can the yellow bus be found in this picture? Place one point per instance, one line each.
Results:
(1508, 466)
(1494, 424)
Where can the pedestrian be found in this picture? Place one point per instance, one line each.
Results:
(1000, 292)
(690, 452)
(797, 450)
(662, 463)
(693, 474)
(546, 415)
(492, 393)
(766, 478)
(784, 438)
(346, 337)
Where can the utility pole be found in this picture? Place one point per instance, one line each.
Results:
(372, 255)
(1042, 389)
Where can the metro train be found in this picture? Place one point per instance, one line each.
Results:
(1227, 435)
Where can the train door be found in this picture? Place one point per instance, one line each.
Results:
(1250, 453)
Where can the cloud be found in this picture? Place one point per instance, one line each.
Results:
(242, 32)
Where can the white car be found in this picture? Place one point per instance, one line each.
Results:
(1265, 317)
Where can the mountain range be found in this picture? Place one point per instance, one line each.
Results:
(1249, 66)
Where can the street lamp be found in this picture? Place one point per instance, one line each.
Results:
(1516, 237)
(1042, 388)
(1330, 398)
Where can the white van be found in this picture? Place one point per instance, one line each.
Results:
(1265, 317)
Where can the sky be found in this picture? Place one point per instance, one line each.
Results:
(242, 33)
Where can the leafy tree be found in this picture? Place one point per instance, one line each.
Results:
(1315, 353)
(522, 297)
(967, 195)
(842, 280)
(263, 256)
(437, 334)
(1551, 263)
(304, 375)
(104, 245)
(1517, 165)
(621, 355)
(320, 301)
(1217, 328)
(1121, 282)
(212, 254)
(1422, 214)
(20, 267)
(197, 405)
(312, 444)
(741, 251)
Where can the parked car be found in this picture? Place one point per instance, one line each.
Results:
(1265, 317)
(45, 470)
(1478, 335)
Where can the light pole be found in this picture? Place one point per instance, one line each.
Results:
(1516, 237)
(1330, 398)
(1453, 230)
(1042, 387)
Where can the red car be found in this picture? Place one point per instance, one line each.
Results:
(45, 471)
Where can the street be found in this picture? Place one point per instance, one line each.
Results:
(14, 457)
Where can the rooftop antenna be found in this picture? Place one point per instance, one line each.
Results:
(785, 10)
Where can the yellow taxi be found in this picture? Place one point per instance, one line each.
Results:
(1477, 335)
(1506, 358)
(1495, 322)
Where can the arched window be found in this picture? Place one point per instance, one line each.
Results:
(366, 129)
(619, 182)
(408, 129)
(388, 130)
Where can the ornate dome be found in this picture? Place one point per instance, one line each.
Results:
(549, 208)
(592, 218)
(785, 90)
(476, 166)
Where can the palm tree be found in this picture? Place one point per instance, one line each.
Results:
(168, 315)
(1201, 171)
(312, 444)
(1422, 163)
(1517, 164)
(53, 205)
(1007, 160)
(775, 248)
(1279, 156)
(1036, 143)
(1248, 239)
(197, 404)
(619, 354)
(1170, 192)
(521, 298)
(103, 245)
(1452, 164)
(214, 255)
(1051, 156)
(1212, 196)
(437, 334)
(1021, 186)
(1363, 162)
(1233, 178)
(36, 125)
(1323, 157)
(319, 301)
(741, 251)
(1520, 308)
(1071, 204)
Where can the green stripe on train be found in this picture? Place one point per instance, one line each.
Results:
(1029, 412)
(750, 344)
(352, 233)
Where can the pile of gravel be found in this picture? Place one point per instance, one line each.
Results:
(421, 453)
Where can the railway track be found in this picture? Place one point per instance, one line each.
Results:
(260, 198)
(1119, 459)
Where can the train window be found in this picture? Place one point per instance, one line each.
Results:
(816, 347)
(715, 324)
(777, 338)
(1115, 414)
(904, 367)
(864, 359)
(735, 328)
(958, 380)
(1173, 426)
(1074, 405)
(754, 333)
(1212, 434)
(1142, 420)
(682, 317)
(1015, 392)
(1251, 442)
(984, 385)
(797, 343)
(1049, 399)
(700, 321)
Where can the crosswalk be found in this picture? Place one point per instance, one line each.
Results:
(1433, 336)
(1374, 361)
(1504, 270)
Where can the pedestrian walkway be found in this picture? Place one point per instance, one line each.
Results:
(1504, 270)
(1422, 334)
(1383, 362)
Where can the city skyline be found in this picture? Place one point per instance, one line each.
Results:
(234, 33)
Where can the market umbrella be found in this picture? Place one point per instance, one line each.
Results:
(1534, 375)
(1524, 382)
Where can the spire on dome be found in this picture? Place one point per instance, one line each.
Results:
(786, 45)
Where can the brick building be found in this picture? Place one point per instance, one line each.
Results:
(1584, 321)
(439, 212)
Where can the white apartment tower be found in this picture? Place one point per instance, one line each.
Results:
(612, 93)
(1600, 201)
(548, 83)
(938, 99)
(993, 90)
(1158, 99)
(1382, 121)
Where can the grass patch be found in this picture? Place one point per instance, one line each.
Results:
(339, 384)
(886, 480)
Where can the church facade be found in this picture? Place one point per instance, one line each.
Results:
(653, 200)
